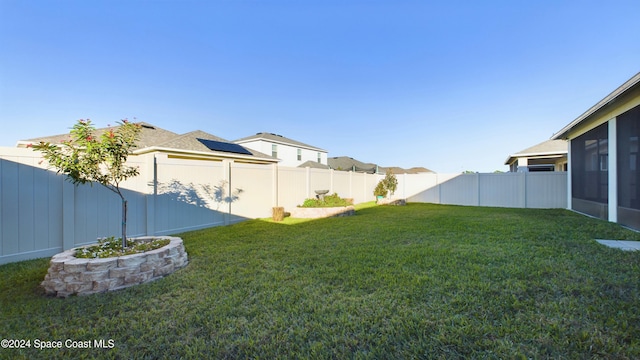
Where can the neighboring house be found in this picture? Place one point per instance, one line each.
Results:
(413, 170)
(550, 155)
(290, 152)
(346, 163)
(313, 165)
(604, 158)
(193, 145)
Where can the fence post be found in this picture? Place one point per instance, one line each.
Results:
(152, 175)
(226, 173)
(308, 183)
(331, 181)
(364, 186)
(404, 186)
(274, 187)
(439, 189)
(478, 187)
(526, 190)
(68, 215)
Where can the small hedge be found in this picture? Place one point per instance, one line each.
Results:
(329, 201)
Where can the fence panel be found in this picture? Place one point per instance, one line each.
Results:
(460, 190)
(502, 190)
(547, 190)
(341, 181)
(30, 207)
(256, 198)
(319, 179)
(531, 190)
(186, 195)
(292, 186)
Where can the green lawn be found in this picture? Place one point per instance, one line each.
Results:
(416, 281)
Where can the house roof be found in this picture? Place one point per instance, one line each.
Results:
(549, 148)
(149, 136)
(153, 138)
(313, 164)
(350, 164)
(275, 138)
(630, 84)
(413, 170)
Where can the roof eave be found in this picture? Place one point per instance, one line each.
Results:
(212, 154)
(613, 96)
(550, 154)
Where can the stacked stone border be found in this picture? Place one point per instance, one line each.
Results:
(386, 201)
(313, 213)
(69, 275)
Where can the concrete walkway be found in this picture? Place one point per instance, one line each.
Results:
(621, 244)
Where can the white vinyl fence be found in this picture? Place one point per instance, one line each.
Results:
(516, 190)
(42, 214)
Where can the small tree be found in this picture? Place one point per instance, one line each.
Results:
(380, 190)
(87, 158)
(390, 182)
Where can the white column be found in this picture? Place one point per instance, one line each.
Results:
(612, 168)
(569, 207)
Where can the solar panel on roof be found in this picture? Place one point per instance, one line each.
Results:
(224, 147)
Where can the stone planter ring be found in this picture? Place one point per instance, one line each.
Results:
(69, 275)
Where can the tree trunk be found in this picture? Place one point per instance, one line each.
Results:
(124, 223)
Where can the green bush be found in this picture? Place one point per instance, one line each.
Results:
(329, 201)
(387, 185)
(380, 190)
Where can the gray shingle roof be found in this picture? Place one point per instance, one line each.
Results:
(277, 139)
(313, 164)
(350, 164)
(549, 148)
(151, 136)
(545, 147)
(346, 163)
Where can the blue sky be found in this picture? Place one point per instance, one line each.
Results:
(448, 85)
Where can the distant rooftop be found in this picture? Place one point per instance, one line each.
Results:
(545, 148)
(346, 163)
(155, 138)
(276, 138)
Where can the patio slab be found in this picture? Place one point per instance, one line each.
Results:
(621, 244)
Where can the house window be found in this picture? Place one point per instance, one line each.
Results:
(274, 150)
(589, 166)
(629, 160)
(299, 154)
(319, 157)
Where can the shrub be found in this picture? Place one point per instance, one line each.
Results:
(390, 182)
(329, 201)
(387, 185)
(380, 190)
